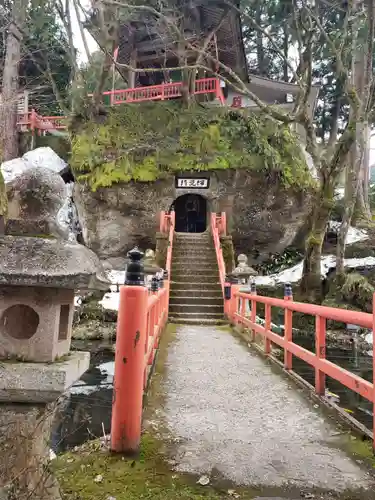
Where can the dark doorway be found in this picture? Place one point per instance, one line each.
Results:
(191, 213)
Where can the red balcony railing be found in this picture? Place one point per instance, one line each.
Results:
(164, 91)
(34, 122)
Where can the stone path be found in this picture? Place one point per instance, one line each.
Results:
(232, 415)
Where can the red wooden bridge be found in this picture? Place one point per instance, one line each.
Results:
(206, 86)
(145, 315)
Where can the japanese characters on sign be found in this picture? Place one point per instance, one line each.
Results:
(198, 183)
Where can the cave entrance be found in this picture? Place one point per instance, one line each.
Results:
(191, 213)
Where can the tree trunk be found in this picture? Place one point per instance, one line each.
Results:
(286, 53)
(363, 189)
(259, 42)
(351, 189)
(8, 109)
(311, 283)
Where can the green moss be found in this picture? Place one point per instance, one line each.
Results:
(161, 249)
(3, 197)
(93, 311)
(354, 292)
(228, 253)
(149, 141)
(146, 478)
(360, 448)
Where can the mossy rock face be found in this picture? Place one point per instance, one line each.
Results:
(126, 168)
(146, 142)
(161, 249)
(228, 253)
(93, 311)
(3, 203)
(352, 292)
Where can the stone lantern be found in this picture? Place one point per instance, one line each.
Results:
(38, 276)
(243, 271)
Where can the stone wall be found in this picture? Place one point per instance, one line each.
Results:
(263, 216)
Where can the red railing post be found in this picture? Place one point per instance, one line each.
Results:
(267, 342)
(227, 298)
(162, 222)
(242, 307)
(288, 332)
(253, 318)
(320, 352)
(130, 359)
(234, 303)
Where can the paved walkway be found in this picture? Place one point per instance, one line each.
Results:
(231, 414)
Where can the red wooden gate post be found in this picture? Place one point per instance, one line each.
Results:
(129, 359)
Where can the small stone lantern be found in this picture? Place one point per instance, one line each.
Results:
(243, 271)
(37, 282)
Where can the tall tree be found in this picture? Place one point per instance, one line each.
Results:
(362, 81)
(8, 110)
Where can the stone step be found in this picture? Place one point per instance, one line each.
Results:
(196, 279)
(195, 264)
(197, 293)
(191, 236)
(193, 257)
(196, 318)
(187, 320)
(186, 242)
(197, 308)
(205, 287)
(193, 248)
(189, 300)
(195, 270)
(209, 253)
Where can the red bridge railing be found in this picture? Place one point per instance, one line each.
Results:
(142, 317)
(236, 312)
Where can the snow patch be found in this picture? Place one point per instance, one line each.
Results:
(39, 157)
(354, 235)
(294, 274)
(111, 301)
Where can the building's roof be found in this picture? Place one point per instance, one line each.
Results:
(155, 42)
(274, 91)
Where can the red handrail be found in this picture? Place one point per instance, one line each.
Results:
(137, 94)
(236, 312)
(218, 228)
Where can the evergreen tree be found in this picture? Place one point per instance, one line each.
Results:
(44, 66)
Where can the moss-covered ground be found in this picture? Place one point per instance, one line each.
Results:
(148, 477)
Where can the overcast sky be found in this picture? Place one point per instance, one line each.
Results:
(77, 36)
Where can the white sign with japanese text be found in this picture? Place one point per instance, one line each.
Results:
(197, 183)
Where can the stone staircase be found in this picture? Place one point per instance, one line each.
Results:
(196, 296)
